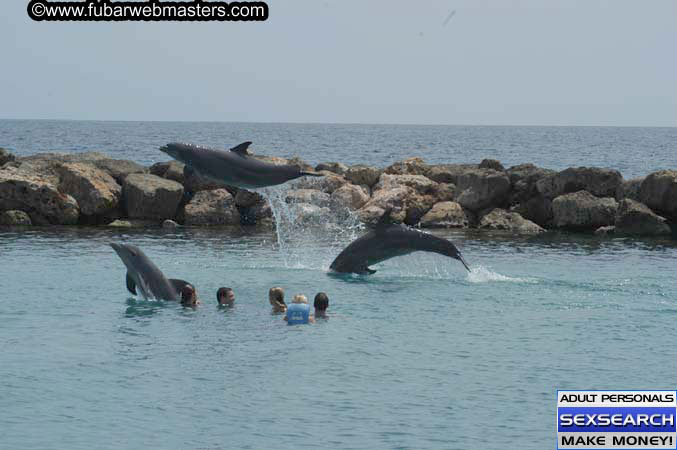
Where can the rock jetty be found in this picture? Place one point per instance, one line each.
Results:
(94, 189)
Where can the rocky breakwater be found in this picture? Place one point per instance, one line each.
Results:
(93, 189)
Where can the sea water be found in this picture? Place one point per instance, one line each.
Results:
(421, 354)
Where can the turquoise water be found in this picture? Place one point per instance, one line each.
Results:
(419, 355)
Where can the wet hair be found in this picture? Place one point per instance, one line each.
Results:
(300, 298)
(276, 296)
(222, 293)
(187, 294)
(321, 301)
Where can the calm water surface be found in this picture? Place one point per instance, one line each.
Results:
(419, 355)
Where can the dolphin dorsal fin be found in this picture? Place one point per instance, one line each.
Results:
(241, 149)
(384, 220)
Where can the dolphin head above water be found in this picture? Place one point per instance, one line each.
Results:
(144, 276)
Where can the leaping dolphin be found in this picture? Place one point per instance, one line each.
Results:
(235, 167)
(387, 241)
(144, 276)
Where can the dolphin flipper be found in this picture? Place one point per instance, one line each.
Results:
(131, 285)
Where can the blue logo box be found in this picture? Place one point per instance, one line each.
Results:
(616, 419)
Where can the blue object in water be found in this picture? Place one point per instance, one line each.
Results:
(298, 314)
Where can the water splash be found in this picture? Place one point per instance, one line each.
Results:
(481, 274)
(303, 230)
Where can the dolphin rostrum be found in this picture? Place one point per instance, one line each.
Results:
(387, 241)
(234, 167)
(144, 276)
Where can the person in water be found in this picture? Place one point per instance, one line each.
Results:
(276, 299)
(225, 296)
(189, 296)
(321, 304)
(298, 313)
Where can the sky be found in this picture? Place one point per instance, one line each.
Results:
(501, 62)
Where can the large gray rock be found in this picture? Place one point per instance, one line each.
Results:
(631, 189)
(420, 184)
(171, 170)
(311, 214)
(583, 211)
(445, 215)
(500, 219)
(393, 199)
(247, 199)
(449, 173)
(96, 192)
(482, 188)
(361, 174)
(445, 192)
(5, 157)
(349, 196)
(335, 167)
(406, 205)
(310, 196)
(636, 218)
(597, 181)
(523, 179)
(258, 214)
(538, 209)
(409, 166)
(118, 168)
(215, 207)
(15, 218)
(147, 196)
(327, 183)
(659, 192)
(38, 196)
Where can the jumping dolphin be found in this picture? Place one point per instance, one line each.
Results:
(235, 167)
(144, 275)
(387, 241)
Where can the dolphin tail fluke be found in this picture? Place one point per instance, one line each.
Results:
(465, 264)
(311, 174)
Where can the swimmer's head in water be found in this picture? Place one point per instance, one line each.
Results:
(321, 301)
(276, 299)
(300, 298)
(188, 296)
(225, 296)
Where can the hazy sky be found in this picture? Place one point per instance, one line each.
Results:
(495, 62)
